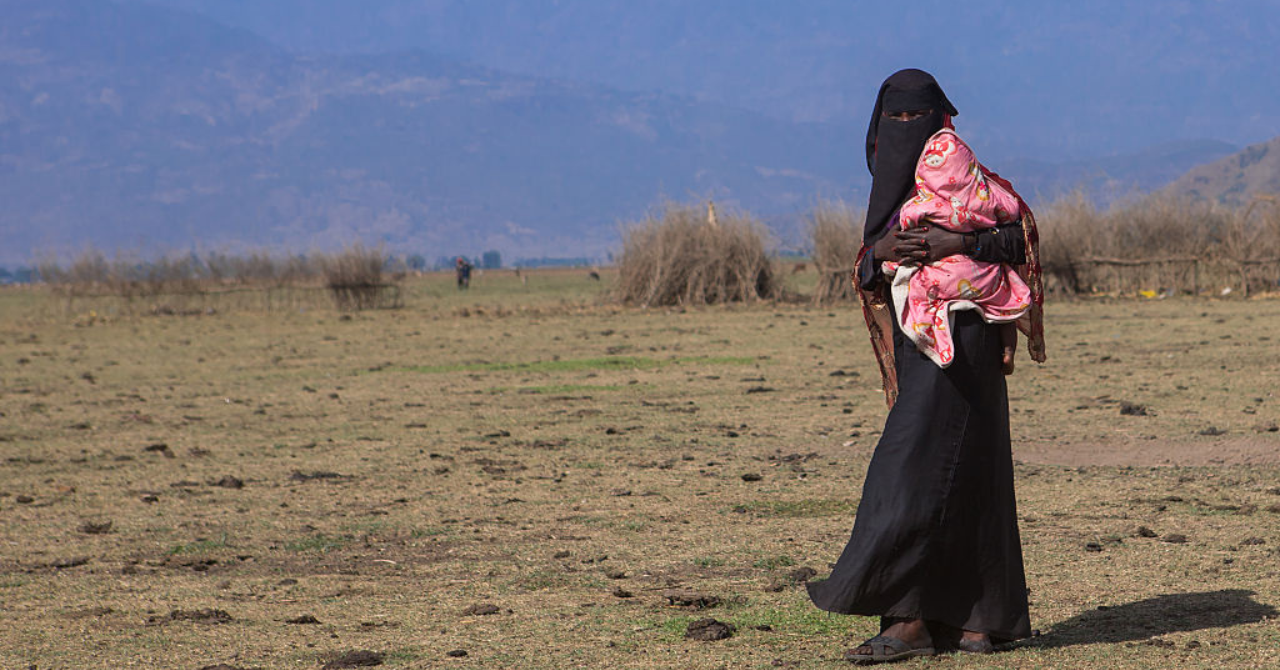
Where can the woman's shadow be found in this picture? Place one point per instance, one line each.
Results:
(1160, 615)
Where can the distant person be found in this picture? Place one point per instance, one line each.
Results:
(935, 550)
(463, 270)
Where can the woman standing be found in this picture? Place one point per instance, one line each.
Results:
(935, 550)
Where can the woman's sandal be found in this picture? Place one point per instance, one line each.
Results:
(982, 646)
(885, 649)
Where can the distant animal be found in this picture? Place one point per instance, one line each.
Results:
(524, 279)
(594, 275)
(711, 214)
(799, 267)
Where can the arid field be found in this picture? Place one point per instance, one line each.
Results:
(525, 476)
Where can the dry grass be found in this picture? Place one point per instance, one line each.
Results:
(525, 446)
(679, 258)
(836, 233)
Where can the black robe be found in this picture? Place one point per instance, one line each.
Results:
(936, 533)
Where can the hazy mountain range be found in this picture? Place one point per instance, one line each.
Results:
(1236, 179)
(128, 125)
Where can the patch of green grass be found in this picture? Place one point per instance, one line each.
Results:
(716, 360)
(539, 580)
(774, 562)
(802, 617)
(564, 388)
(808, 507)
(13, 583)
(316, 543)
(402, 656)
(562, 365)
(199, 546)
(708, 562)
(799, 617)
(365, 526)
(582, 364)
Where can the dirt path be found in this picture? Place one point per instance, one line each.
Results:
(1252, 450)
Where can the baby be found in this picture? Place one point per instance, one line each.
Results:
(952, 191)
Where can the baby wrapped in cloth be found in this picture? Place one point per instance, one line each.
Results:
(953, 191)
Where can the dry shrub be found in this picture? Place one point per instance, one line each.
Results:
(259, 268)
(679, 258)
(1157, 243)
(91, 273)
(354, 277)
(836, 232)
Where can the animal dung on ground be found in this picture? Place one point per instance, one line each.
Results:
(481, 609)
(159, 448)
(361, 658)
(73, 562)
(802, 575)
(299, 476)
(690, 599)
(708, 630)
(208, 616)
(1133, 409)
(230, 482)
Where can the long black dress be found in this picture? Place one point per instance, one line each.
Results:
(936, 533)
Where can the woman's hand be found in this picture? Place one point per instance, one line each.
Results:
(919, 246)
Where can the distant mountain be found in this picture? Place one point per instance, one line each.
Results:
(1109, 178)
(138, 127)
(1236, 179)
(1069, 80)
(135, 126)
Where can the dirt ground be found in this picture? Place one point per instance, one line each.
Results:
(520, 476)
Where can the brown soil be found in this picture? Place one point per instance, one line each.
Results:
(1247, 450)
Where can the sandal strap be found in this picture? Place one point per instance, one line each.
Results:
(892, 644)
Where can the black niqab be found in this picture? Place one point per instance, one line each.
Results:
(893, 147)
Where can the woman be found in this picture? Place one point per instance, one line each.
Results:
(935, 549)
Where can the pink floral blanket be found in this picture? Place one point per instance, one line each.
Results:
(953, 191)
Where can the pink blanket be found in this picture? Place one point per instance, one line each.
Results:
(952, 191)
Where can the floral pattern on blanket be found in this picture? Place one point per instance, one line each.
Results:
(953, 191)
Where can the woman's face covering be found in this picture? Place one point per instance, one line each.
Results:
(907, 116)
